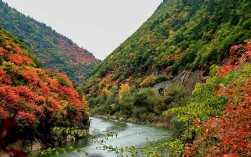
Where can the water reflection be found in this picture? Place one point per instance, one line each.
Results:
(128, 134)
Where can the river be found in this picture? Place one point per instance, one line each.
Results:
(128, 134)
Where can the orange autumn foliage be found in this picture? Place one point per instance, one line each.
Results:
(41, 98)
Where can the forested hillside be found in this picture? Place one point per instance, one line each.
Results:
(213, 120)
(184, 39)
(33, 101)
(180, 35)
(54, 50)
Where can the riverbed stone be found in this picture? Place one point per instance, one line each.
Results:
(16, 145)
(35, 146)
(70, 138)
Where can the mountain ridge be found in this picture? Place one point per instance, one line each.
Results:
(56, 51)
(180, 35)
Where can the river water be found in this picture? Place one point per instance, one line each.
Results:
(128, 134)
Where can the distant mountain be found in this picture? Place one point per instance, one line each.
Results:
(53, 49)
(43, 99)
(180, 35)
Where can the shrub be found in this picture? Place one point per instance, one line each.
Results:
(176, 95)
(126, 105)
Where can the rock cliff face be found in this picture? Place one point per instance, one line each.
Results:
(187, 78)
(190, 78)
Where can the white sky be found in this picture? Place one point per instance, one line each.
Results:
(97, 25)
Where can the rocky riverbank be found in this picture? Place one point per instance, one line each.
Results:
(26, 146)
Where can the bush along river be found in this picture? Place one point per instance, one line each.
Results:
(127, 134)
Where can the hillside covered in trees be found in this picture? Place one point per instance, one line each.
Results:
(213, 120)
(32, 100)
(206, 43)
(180, 35)
(54, 50)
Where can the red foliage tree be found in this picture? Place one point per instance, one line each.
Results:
(41, 98)
(229, 134)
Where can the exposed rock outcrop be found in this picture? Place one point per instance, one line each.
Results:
(189, 78)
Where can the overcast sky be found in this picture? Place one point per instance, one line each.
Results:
(97, 25)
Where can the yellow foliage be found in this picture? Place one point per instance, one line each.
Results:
(106, 93)
(123, 90)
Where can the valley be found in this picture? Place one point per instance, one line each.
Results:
(186, 69)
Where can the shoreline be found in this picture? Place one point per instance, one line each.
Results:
(158, 122)
(36, 145)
